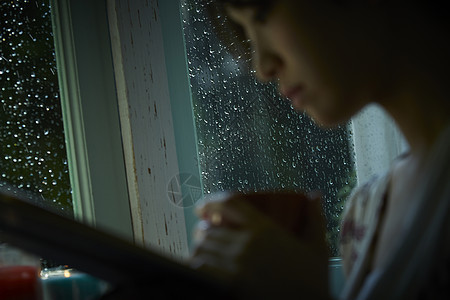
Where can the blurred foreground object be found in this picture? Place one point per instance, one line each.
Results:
(19, 283)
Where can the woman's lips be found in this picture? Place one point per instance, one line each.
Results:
(296, 96)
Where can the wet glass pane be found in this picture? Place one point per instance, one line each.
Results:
(250, 138)
(32, 148)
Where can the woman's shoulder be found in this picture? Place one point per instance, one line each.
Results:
(362, 214)
(365, 196)
(368, 196)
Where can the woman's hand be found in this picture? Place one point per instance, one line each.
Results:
(259, 256)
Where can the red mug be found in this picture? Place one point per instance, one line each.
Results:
(287, 209)
(19, 283)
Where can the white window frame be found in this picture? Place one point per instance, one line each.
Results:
(156, 118)
(90, 115)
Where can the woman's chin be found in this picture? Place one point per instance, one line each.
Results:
(326, 121)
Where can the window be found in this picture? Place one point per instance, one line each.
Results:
(47, 82)
(32, 144)
(38, 63)
(250, 139)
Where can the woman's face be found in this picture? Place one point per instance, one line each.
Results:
(318, 53)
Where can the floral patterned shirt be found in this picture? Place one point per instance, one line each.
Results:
(419, 265)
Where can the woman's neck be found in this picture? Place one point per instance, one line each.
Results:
(417, 79)
(422, 111)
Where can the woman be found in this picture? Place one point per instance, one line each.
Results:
(331, 58)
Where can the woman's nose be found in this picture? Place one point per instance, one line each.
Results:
(266, 64)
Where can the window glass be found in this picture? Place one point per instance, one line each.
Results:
(251, 139)
(32, 148)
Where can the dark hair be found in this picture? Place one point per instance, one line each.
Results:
(235, 41)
